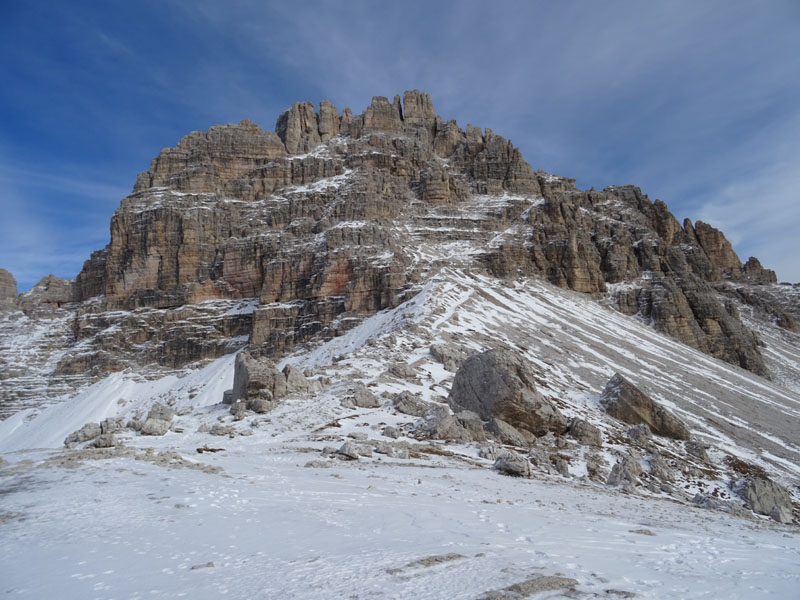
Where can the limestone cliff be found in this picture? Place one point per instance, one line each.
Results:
(8, 290)
(334, 216)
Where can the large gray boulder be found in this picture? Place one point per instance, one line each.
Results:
(624, 401)
(499, 384)
(84, 434)
(257, 382)
(766, 497)
(155, 427)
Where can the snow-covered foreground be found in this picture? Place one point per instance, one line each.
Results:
(121, 528)
(441, 524)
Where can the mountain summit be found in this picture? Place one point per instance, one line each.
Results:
(383, 346)
(332, 217)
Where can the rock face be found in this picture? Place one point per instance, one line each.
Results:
(498, 384)
(8, 290)
(624, 401)
(317, 224)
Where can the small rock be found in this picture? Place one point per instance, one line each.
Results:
(227, 396)
(391, 432)
(348, 451)
(514, 465)
(363, 398)
(160, 412)
(358, 435)
(639, 434)
(492, 451)
(781, 514)
(403, 371)
(506, 434)
(238, 410)
(697, 449)
(585, 432)
(625, 473)
(449, 355)
(407, 403)
(220, 429)
(208, 565)
(105, 440)
(263, 403)
(84, 434)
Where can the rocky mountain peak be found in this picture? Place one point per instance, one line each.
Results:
(332, 217)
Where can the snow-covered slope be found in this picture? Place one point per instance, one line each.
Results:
(133, 521)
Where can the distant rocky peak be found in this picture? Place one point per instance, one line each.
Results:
(8, 289)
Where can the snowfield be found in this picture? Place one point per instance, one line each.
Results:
(267, 516)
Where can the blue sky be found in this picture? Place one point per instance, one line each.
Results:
(697, 102)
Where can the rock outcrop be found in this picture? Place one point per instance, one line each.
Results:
(8, 290)
(624, 401)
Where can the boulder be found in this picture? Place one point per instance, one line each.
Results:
(625, 473)
(238, 410)
(660, 469)
(403, 371)
(227, 397)
(409, 404)
(764, 497)
(84, 434)
(624, 401)
(698, 450)
(257, 379)
(449, 355)
(472, 424)
(104, 440)
(499, 384)
(585, 432)
(492, 451)
(263, 403)
(348, 451)
(295, 380)
(464, 427)
(153, 426)
(110, 425)
(160, 412)
(220, 429)
(781, 514)
(363, 398)
(391, 432)
(639, 434)
(514, 465)
(506, 434)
